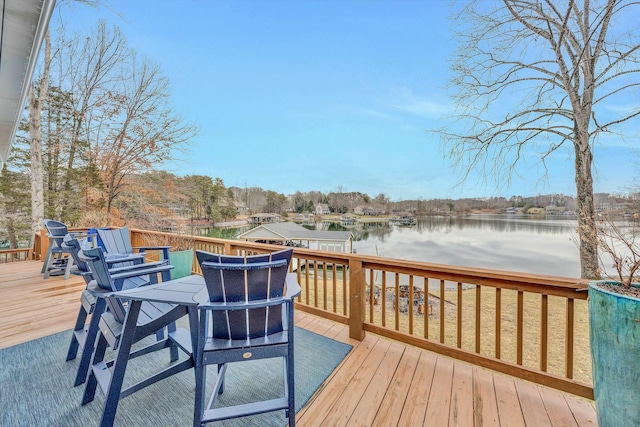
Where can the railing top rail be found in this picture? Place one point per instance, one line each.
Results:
(8, 251)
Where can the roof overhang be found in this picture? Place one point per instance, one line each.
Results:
(23, 26)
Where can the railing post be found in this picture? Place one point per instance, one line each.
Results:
(357, 291)
(228, 249)
(44, 245)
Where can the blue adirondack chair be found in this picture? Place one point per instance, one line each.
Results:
(249, 316)
(57, 257)
(118, 241)
(151, 318)
(134, 275)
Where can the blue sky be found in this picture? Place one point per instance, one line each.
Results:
(321, 95)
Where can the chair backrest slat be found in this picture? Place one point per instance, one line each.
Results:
(243, 279)
(94, 257)
(74, 246)
(56, 231)
(117, 241)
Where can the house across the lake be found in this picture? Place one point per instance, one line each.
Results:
(292, 234)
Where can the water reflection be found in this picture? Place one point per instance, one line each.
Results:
(502, 242)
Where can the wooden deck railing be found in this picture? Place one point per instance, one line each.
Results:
(14, 255)
(530, 326)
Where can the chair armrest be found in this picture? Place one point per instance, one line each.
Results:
(141, 271)
(97, 291)
(137, 267)
(118, 258)
(80, 273)
(152, 248)
(293, 287)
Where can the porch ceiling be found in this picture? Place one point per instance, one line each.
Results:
(23, 25)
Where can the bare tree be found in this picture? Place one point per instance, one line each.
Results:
(135, 129)
(35, 104)
(532, 76)
(89, 75)
(37, 98)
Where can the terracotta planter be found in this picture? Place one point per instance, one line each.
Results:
(614, 322)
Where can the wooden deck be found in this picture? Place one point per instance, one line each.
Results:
(380, 382)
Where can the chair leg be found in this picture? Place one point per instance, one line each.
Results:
(290, 374)
(80, 321)
(221, 372)
(201, 380)
(48, 265)
(92, 381)
(120, 367)
(291, 392)
(173, 350)
(198, 330)
(67, 270)
(47, 259)
(90, 341)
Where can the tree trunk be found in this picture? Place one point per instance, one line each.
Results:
(589, 266)
(35, 134)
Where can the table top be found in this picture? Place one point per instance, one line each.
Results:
(189, 290)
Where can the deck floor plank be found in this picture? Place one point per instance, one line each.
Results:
(559, 411)
(461, 413)
(341, 411)
(337, 384)
(532, 404)
(415, 406)
(375, 392)
(485, 406)
(583, 411)
(388, 413)
(509, 407)
(440, 395)
(380, 382)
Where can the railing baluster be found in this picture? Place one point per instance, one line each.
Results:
(397, 296)
(384, 298)
(372, 286)
(442, 311)
(411, 304)
(544, 331)
(427, 307)
(569, 338)
(519, 327)
(334, 283)
(315, 284)
(306, 281)
(324, 286)
(478, 320)
(459, 312)
(498, 322)
(345, 303)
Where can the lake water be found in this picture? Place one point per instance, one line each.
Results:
(540, 246)
(514, 243)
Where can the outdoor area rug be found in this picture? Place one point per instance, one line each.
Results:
(36, 385)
